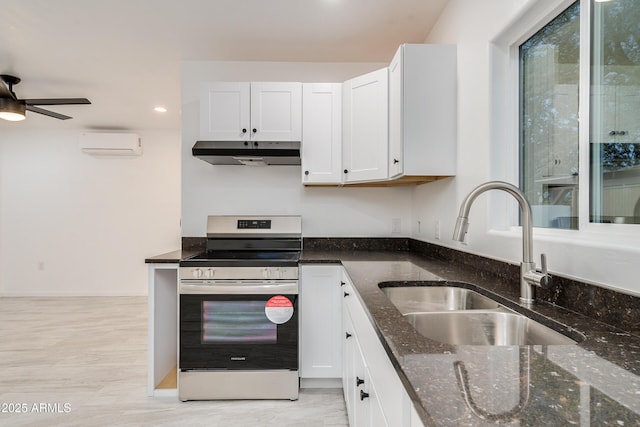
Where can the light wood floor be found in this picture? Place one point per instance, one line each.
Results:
(81, 361)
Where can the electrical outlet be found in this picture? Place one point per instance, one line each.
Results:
(396, 225)
(436, 229)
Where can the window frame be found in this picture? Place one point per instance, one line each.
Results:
(505, 51)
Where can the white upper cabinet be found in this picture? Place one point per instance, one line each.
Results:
(243, 111)
(365, 130)
(225, 111)
(276, 111)
(321, 149)
(422, 111)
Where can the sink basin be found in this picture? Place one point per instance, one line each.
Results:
(485, 328)
(411, 299)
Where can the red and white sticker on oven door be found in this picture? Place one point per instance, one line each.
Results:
(279, 309)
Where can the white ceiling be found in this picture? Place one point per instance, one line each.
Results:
(125, 55)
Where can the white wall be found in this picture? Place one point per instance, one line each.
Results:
(607, 256)
(210, 190)
(73, 224)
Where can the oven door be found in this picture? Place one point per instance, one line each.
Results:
(248, 325)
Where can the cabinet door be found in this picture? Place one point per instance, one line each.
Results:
(320, 322)
(348, 367)
(423, 111)
(376, 413)
(564, 142)
(362, 387)
(365, 127)
(276, 111)
(321, 149)
(627, 107)
(224, 111)
(396, 158)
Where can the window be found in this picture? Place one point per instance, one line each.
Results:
(615, 112)
(550, 141)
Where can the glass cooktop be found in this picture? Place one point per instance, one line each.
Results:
(244, 258)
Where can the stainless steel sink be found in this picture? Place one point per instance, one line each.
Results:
(498, 327)
(411, 299)
(455, 315)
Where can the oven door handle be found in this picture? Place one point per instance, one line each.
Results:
(237, 288)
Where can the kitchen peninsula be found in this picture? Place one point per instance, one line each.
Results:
(592, 382)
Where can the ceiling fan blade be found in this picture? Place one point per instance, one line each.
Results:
(57, 101)
(47, 112)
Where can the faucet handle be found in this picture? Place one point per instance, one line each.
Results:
(545, 280)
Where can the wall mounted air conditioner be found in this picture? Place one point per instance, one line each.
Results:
(110, 144)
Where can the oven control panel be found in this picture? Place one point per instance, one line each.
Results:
(254, 224)
(235, 273)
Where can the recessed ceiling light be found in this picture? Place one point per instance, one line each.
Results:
(160, 109)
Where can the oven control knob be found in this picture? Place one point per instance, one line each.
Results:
(209, 273)
(197, 273)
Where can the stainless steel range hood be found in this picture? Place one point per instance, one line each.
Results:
(248, 153)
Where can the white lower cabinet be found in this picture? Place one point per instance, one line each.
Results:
(320, 322)
(338, 344)
(360, 399)
(373, 392)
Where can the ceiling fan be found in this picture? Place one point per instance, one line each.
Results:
(13, 109)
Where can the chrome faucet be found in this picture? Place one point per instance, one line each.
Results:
(529, 276)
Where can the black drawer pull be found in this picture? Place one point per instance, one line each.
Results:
(346, 294)
(359, 381)
(342, 283)
(363, 395)
(347, 335)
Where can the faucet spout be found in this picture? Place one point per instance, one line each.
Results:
(528, 274)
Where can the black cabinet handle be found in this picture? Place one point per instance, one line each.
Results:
(396, 161)
(363, 395)
(244, 130)
(359, 381)
(347, 335)
(342, 283)
(346, 294)
(346, 171)
(255, 130)
(306, 172)
(617, 132)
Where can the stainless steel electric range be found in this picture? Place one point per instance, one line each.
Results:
(238, 316)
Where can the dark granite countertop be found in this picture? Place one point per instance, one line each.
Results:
(171, 257)
(595, 382)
